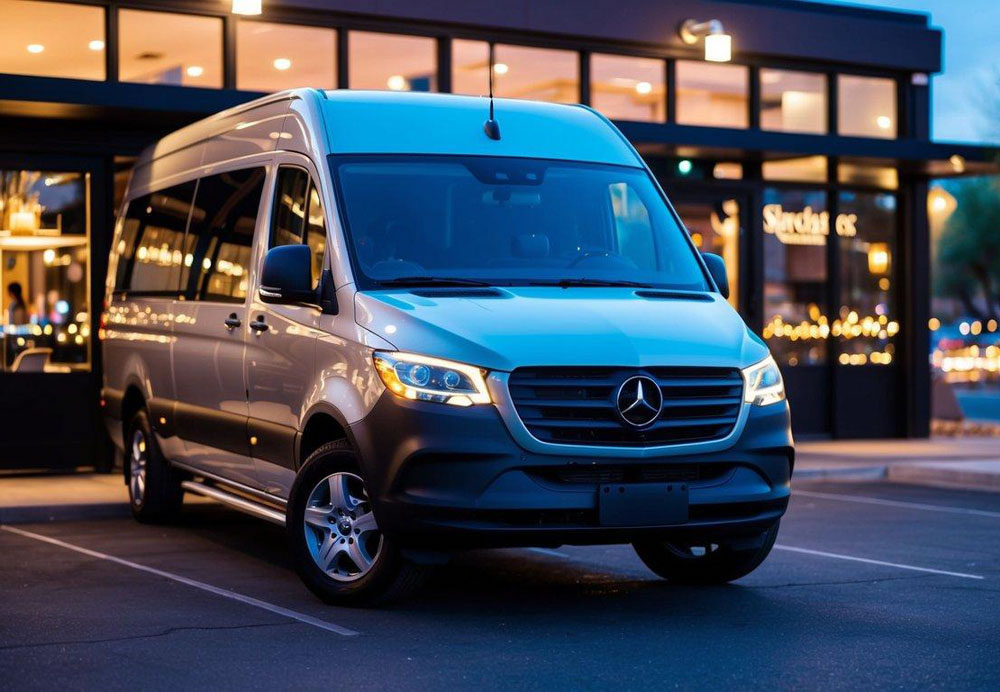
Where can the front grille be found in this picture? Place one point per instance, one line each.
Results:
(577, 405)
(634, 473)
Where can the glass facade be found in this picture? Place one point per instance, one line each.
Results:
(716, 227)
(801, 169)
(796, 226)
(173, 49)
(866, 106)
(868, 321)
(272, 57)
(711, 94)
(792, 101)
(625, 88)
(48, 39)
(392, 61)
(541, 74)
(44, 271)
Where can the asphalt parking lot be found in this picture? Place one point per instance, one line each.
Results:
(872, 584)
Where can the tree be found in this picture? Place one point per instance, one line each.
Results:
(968, 256)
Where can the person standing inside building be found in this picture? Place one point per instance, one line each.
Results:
(17, 310)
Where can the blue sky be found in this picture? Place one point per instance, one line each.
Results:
(971, 65)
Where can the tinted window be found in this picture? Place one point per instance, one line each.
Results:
(298, 216)
(151, 245)
(510, 221)
(220, 238)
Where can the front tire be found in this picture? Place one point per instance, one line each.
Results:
(154, 487)
(338, 549)
(704, 562)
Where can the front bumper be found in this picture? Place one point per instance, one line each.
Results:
(443, 476)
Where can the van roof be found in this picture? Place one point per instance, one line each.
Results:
(385, 122)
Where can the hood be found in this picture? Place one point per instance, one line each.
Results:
(517, 327)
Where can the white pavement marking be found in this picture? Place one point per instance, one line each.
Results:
(852, 558)
(864, 499)
(546, 551)
(263, 605)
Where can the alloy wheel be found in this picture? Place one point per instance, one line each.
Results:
(340, 528)
(138, 462)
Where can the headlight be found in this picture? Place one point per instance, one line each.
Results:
(763, 383)
(431, 379)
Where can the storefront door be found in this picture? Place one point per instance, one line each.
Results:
(54, 224)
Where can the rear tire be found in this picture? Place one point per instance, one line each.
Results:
(333, 536)
(702, 562)
(154, 487)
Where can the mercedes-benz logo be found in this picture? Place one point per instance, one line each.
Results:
(639, 401)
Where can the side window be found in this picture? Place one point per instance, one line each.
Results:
(150, 249)
(633, 229)
(220, 238)
(298, 216)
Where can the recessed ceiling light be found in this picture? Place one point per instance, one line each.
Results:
(282, 63)
(643, 88)
(35, 47)
(195, 71)
(501, 68)
(396, 82)
(96, 44)
(884, 122)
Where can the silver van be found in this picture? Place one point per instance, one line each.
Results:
(400, 333)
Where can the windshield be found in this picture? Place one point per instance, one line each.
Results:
(424, 220)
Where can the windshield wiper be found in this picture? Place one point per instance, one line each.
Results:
(431, 281)
(566, 283)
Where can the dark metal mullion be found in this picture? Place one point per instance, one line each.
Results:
(753, 100)
(832, 100)
(584, 75)
(229, 51)
(444, 68)
(834, 286)
(343, 67)
(670, 92)
(111, 43)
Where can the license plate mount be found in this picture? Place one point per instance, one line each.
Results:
(642, 504)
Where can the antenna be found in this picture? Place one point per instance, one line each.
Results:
(491, 127)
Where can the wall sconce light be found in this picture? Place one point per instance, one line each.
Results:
(878, 258)
(247, 7)
(718, 44)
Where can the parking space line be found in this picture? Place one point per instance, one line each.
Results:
(869, 561)
(864, 499)
(248, 600)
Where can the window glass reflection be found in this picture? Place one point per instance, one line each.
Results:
(52, 39)
(796, 225)
(272, 57)
(175, 49)
(709, 94)
(627, 88)
(716, 227)
(864, 174)
(866, 106)
(867, 323)
(469, 67)
(541, 74)
(792, 101)
(44, 271)
(392, 61)
(801, 169)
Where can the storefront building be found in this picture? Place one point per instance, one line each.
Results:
(803, 160)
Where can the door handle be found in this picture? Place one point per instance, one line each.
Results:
(232, 322)
(259, 325)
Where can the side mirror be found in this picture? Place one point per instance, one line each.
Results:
(287, 275)
(717, 268)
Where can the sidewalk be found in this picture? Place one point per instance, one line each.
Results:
(972, 463)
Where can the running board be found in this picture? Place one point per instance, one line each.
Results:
(235, 501)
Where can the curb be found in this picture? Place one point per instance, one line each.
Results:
(857, 473)
(34, 514)
(946, 476)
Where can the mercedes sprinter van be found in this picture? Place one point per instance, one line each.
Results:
(399, 333)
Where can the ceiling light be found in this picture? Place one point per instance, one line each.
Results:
(501, 68)
(96, 44)
(35, 47)
(718, 44)
(396, 82)
(884, 122)
(195, 71)
(282, 63)
(247, 7)
(643, 88)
